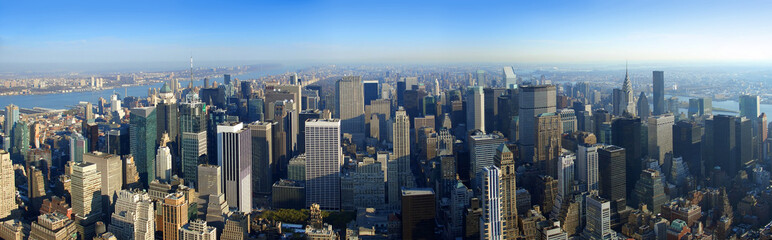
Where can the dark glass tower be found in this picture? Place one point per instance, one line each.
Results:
(687, 143)
(612, 169)
(659, 92)
(143, 142)
(370, 90)
(626, 133)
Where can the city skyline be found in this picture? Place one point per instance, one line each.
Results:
(404, 32)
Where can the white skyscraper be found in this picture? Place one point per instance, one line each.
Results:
(598, 218)
(629, 98)
(234, 155)
(86, 183)
(163, 161)
(510, 79)
(324, 157)
(475, 109)
(491, 224)
(587, 167)
(482, 149)
(134, 216)
(565, 173)
(7, 185)
(401, 152)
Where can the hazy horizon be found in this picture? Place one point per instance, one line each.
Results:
(604, 32)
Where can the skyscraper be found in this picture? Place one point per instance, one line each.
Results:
(649, 191)
(687, 143)
(547, 146)
(350, 107)
(11, 117)
(418, 213)
(659, 92)
(87, 209)
(643, 106)
(211, 202)
(401, 151)
(78, 147)
(7, 185)
(587, 167)
(475, 109)
(505, 161)
(749, 106)
(534, 100)
(163, 160)
(109, 167)
(661, 137)
(323, 160)
(370, 91)
(264, 170)
(167, 114)
(143, 142)
(510, 78)
(234, 148)
(491, 222)
(612, 170)
(193, 142)
(482, 149)
(598, 218)
(627, 134)
(134, 216)
(629, 99)
(175, 215)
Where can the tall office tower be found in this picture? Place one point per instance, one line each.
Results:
(587, 167)
(761, 135)
(418, 212)
(643, 106)
(475, 109)
(118, 140)
(491, 222)
(87, 209)
(749, 106)
(143, 141)
(598, 218)
(401, 151)
(246, 90)
(659, 92)
(7, 185)
(134, 216)
(612, 171)
(11, 117)
(175, 215)
(198, 230)
(20, 141)
(264, 168)
(350, 107)
(661, 137)
(482, 149)
(88, 112)
(649, 191)
(295, 91)
(167, 114)
(211, 202)
(510, 79)
(370, 90)
(627, 134)
(505, 161)
(234, 155)
(193, 144)
(110, 167)
(744, 128)
(459, 199)
(491, 108)
(687, 143)
(534, 100)
(568, 120)
(78, 147)
(547, 146)
(53, 226)
(302, 117)
(324, 157)
(163, 160)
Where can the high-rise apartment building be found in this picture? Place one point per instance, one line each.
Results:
(324, 157)
(234, 155)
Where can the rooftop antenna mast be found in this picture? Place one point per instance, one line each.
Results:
(191, 69)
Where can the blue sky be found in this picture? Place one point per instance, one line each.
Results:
(34, 32)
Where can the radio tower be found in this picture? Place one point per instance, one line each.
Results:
(191, 72)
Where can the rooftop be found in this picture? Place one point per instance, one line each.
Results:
(417, 191)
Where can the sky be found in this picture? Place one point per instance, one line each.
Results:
(249, 32)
